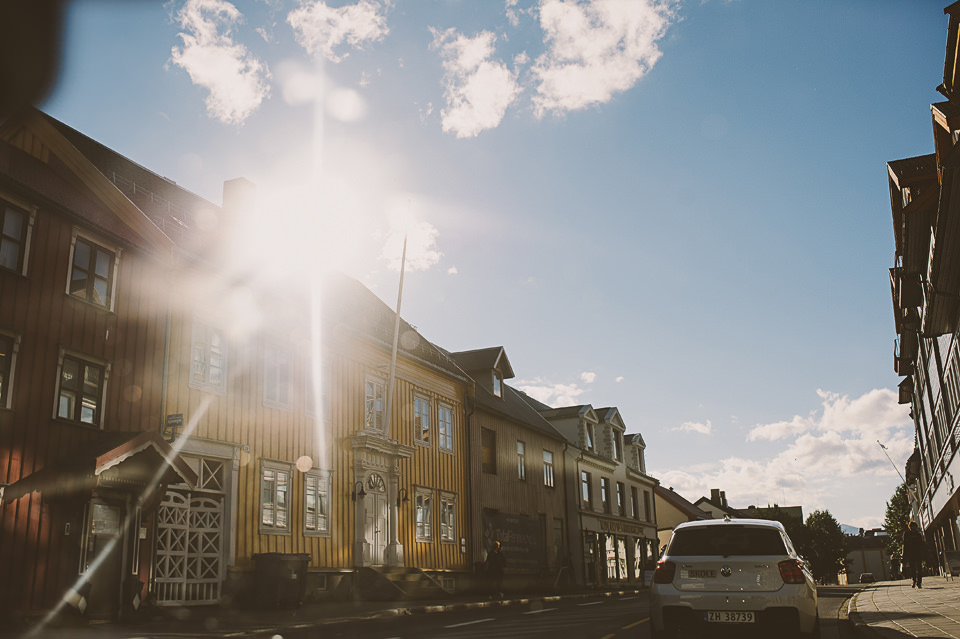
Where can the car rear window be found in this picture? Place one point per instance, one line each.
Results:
(727, 540)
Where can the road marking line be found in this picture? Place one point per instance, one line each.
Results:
(469, 623)
(537, 612)
(628, 598)
(591, 603)
(635, 624)
(608, 636)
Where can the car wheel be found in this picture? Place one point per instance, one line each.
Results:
(815, 633)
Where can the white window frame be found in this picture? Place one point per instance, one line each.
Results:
(421, 419)
(423, 514)
(497, 384)
(319, 481)
(548, 471)
(277, 376)
(605, 496)
(445, 427)
(279, 470)
(586, 489)
(617, 445)
(448, 518)
(521, 460)
(6, 393)
(202, 354)
(377, 400)
(95, 243)
(83, 358)
(31, 217)
(590, 437)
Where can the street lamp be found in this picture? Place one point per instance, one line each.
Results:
(361, 493)
(402, 497)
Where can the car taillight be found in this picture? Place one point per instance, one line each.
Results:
(665, 572)
(791, 571)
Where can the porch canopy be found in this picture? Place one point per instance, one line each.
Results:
(123, 461)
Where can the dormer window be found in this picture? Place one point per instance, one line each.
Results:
(588, 433)
(497, 384)
(617, 446)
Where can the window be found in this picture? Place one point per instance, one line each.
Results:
(497, 384)
(421, 418)
(274, 498)
(585, 492)
(521, 461)
(81, 390)
(448, 517)
(445, 427)
(605, 494)
(588, 435)
(92, 272)
(646, 506)
(9, 346)
(488, 451)
(373, 405)
(276, 377)
(621, 499)
(618, 445)
(548, 468)
(316, 503)
(635, 502)
(208, 359)
(15, 226)
(424, 514)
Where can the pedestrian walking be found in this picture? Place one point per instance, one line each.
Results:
(914, 551)
(496, 562)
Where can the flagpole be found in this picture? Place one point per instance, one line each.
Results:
(396, 343)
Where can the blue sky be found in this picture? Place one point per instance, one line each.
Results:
(676, 208)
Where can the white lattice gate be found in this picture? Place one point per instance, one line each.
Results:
(189, 559)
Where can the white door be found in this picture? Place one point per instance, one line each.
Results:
(376, 529)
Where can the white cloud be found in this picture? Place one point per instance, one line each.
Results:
(587, 377)
(477, 90)
(694, 427)
(595, 49)
(875, 413)
(552, 394)
(236, 80)
(619, 379)
(422, 251)
(828, 447)
(452, 270)
(321, 29)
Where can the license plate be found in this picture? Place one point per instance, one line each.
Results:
(730, 616)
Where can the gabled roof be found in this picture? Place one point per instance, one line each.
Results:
(137, 457)
(636, 440)
(733, 512)
(674, 499)
(47, 150)
(582, 410)
(514, 407)
(493, 358)
(354, 308)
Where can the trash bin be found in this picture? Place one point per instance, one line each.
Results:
(281, 579)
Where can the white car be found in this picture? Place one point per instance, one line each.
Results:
(735, 574)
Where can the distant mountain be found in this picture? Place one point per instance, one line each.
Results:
(849, 530)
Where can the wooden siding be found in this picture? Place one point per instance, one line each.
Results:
(505, 491)
(37, 556)
(284, 435)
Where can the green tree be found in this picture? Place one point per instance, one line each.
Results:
(826, 547)
(896, 518)
(793, 525)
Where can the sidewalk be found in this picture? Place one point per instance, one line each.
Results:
(894, 610)
(214, 621)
